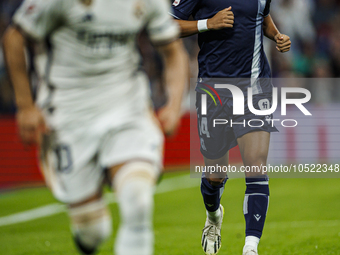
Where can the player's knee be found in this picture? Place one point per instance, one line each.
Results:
(134, 184)
(255, 159)
(91, 223)
(215, 181)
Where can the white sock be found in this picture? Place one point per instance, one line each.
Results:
(215, 217)
(251, 243)
(135, 235)
(91, 223)
(93, 234)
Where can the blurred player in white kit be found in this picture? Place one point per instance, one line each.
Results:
(94, 112)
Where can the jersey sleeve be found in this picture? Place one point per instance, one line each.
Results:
(161, 26)
(182, 9)
(267, 8)
(38, 18)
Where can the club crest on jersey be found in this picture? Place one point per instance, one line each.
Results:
(176, 2)
(30, 9)
(264, 104)
(139, 9)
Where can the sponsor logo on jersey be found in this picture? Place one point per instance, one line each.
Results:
(176, 2)
(107, 40)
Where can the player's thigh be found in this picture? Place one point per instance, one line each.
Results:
(254, 135)
(254, 147)
(138, 145)
(70, 166)
(216, 177)
(215, 140)
(135, 169)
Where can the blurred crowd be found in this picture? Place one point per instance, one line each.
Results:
(7, 8)
(314, 28)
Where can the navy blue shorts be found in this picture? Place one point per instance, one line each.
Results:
(217, 141)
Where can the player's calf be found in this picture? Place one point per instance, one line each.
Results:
(255, 208)
(91, 224)
(212, 190)
(134, 184)
(212, 186)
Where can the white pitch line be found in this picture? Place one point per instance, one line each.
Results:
(33, 214)
(167, 185)
(177, 183)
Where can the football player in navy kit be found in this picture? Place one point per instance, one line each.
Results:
(230, 37)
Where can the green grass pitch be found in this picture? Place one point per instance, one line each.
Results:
(303, 218)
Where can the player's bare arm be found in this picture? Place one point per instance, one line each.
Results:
(222, 19)
(270, 30)
(176, 77)
(30, 120)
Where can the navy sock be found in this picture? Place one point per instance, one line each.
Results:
(212, 194)
(256, 204)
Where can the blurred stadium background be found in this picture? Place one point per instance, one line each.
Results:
(314, 28)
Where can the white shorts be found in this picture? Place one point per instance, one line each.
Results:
(76, 161)
(76, 154)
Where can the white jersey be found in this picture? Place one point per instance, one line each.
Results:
(93, 58)
(96, 41)
(98, 101)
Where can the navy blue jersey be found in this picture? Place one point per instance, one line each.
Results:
(231, 52)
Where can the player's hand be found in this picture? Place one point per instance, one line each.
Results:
(283, 42)
(222, 19)
(31, 125)
(169, 117)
